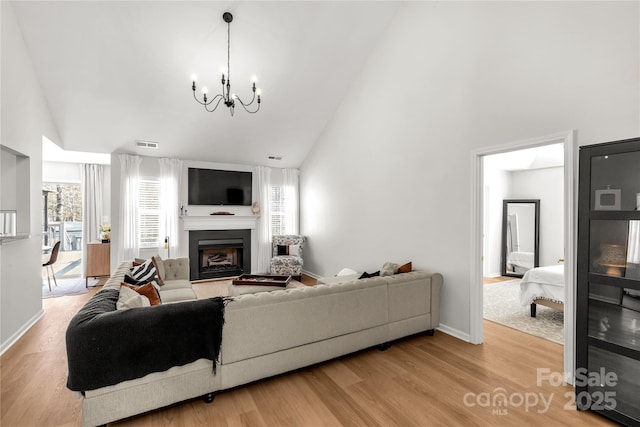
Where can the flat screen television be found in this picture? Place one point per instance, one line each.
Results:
(219, 187)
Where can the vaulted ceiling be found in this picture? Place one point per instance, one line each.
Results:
(116, 72)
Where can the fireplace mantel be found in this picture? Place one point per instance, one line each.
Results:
(219, 222)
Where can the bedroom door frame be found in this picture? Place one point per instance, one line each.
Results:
(570, 235)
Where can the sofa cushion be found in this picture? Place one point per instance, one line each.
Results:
(176, 269)
(177, 295)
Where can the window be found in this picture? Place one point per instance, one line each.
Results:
(277, 211)
(149, 213)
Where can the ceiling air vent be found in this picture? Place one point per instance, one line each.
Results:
(275, 157)
(146, 144)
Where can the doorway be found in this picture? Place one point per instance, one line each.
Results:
(62, 221)
(524, 236)
(477, 227)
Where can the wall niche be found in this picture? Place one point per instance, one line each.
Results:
(15, 186)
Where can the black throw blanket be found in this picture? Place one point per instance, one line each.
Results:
(105, 346)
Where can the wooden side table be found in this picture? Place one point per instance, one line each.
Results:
(98, 260)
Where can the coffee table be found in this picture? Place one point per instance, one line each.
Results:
(262, 280)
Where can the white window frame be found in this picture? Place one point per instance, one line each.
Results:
(149, 206)
(277, 214)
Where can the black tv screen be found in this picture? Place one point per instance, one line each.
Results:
(218, 187)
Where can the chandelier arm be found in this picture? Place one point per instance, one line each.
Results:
(245, 107)
(246, 104)
(217, 103)
(205, 103)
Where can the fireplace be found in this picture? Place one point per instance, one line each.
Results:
(219, 253)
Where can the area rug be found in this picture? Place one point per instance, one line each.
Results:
(74, 286)
(502, 305)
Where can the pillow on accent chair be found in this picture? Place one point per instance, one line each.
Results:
(129, 298)
(293, 250)
(148, 291)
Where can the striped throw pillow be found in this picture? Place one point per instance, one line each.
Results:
(144, 272)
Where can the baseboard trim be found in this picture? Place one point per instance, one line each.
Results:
(310, 274)
(23, 330)
(454, 333)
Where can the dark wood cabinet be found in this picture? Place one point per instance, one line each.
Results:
(608, 294)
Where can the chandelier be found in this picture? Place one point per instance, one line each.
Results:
(226, 96)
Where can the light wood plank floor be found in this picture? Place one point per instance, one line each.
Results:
(419, 381)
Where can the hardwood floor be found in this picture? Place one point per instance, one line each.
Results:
(419, 381)
(490, 280)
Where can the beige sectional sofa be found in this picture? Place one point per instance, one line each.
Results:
(270, 333)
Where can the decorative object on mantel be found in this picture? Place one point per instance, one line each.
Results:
(226, 96)
(105, 233)
(221, 213)
(255, 208)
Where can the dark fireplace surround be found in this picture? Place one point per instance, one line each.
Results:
(219, 253)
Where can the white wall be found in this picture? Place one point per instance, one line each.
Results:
(546, 185)
(389, 178)
(25, 118)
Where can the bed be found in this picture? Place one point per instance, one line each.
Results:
(520, 262)
(544, 286)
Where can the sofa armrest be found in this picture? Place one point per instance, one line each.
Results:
(176, 269)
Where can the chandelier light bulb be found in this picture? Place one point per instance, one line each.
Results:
(226, 96)
(258, 92)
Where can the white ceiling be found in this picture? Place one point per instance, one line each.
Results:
(546, 156)
(116, 72)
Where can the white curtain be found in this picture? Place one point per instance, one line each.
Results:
(128, 245)
(633, 251)
(91, 186)
(263, 186)
(291, 203)
(170, 176)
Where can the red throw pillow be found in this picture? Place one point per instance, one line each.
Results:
(406, 268)
(148, 290)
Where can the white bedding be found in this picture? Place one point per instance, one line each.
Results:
(543, 282)
(521, 259)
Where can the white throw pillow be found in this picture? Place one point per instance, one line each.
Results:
(389, 269)
(129, 298)
(346, 272)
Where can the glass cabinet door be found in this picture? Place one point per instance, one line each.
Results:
(615, 182)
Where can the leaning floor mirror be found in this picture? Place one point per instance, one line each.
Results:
(520, 236)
